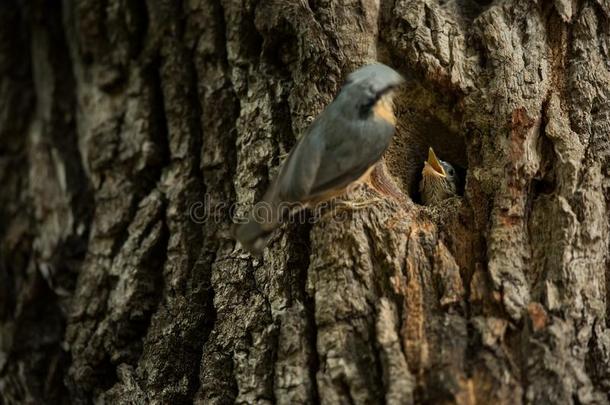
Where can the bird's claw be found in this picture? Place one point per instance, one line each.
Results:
(358, 204)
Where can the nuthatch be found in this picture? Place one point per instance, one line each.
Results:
(439, 180)
(340, 147)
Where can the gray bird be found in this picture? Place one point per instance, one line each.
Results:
(340, 147)
(439, 180)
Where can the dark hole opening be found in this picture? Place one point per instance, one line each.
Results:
(424, 121)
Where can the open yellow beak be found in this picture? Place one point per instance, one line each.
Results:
(433, 166)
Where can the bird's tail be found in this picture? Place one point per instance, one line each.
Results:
(251, 234)
(264, 218)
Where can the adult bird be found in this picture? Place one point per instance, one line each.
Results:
(439, 180)
(341, 147)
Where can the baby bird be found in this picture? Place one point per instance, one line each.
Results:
(439, 180)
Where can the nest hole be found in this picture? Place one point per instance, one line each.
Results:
(425, 120)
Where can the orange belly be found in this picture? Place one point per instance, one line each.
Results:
(329, 195)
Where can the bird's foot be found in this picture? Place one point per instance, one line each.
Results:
(357, 204)
(340, 207)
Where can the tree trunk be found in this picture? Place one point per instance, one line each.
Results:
(128, 130)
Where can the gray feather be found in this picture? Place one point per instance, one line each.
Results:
(337, 149)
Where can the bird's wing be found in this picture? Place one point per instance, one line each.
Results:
(352, 148)
(334, 153)
(298, 174)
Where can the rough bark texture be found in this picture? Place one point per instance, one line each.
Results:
(118, 119)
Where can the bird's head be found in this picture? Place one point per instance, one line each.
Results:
(434, 167)
(439, 179)
(368, 91)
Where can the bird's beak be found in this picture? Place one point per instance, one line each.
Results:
(433, 166)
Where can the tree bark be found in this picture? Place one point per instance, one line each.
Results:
(128, 130)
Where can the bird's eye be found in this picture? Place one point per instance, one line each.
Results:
(366, 107)
(451, 171)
